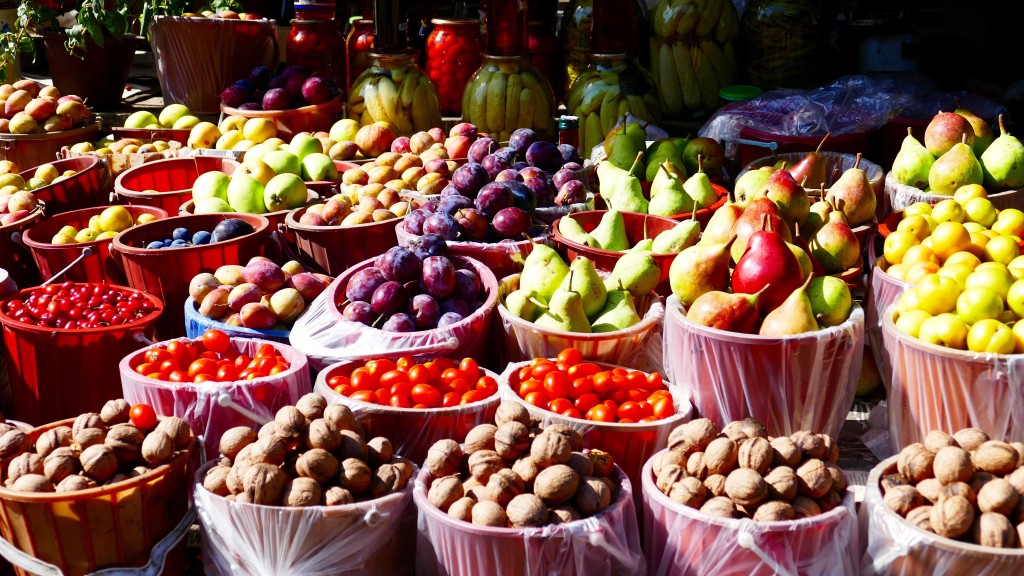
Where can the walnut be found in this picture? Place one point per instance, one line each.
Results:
(715, 485)
(462, 509)
(830, 500)
(970, 438)
(338, 496)
(998, 496)
(696, 466)
(931, 489)
(782, 483)
(318, 464)
(669, 476)
(937, 440)
(311, 406)
(994, 530)
(32, 483)
(527, 469)
(563, 515)
(1019, 447)
(115, 412)
(483, 463)
(719, 506)
(291, 423)
(526, 510)
(126, 442)
(890, 480)
(755, 453)
(54, 438)
(157, 448)
(343, 418)
(74, 483)
(688, 492)
(88, 420)
(354, 475)
(915, 462)
(960, 489)
(743, 429)
(503, 486)
(352, 446)
(387, 479)
(581, 464)
(272, 449)
(379, 451)
(241, 498)
(1017, 480)
(475, 490)
(831, 449)
(953, 464)
(550, 448)
(805, 507)
(979, 479)
(216, 480)
(556, 484)
(720, 457)
(488, 514)
(301, 492)
(324, 434)
(99, 462)
(952, 517)
(813, 479)
(264, 483)
(25, 463)
(995, 457)
(785, 452)
(404, 466)
(12, 443)
(234, 439)
(142, 470)
(178, 430)
(573, 436)
(60, 464)
(481, 437)
(694, 435)
(746, 487)
(668, 457)
(921, 517)
(509, 411)
(444, 458)
(604, 464)
(838, 477)
(512, 440)
(267, 429)
(774, 511)
(89, 437)
(811, 445)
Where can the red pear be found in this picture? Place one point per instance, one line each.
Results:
(767, 262)
(724, 311)
(751, 221)
(812, 167)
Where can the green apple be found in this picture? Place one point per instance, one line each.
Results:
(1002, 249)
(211, 206)
(1015, 298)
(317, 167)
(282, 162)
(211, 185)
(258, 151)
(68, 230)
(245, 194)
(228, 140)
(186, 122)
(172, 113)
(910, 322)
(830, 300)
(140, 119)
(995, 279)
(86, 235)
(94, 223)
(991, 337)
(115, 219)
(908, 301)
(974, 227)
(958, 272)
(284, 192)
(343, 130)
(937, 294)
(981, 210)
(303, 145)
(917, 225)
(976, 304)
(1016, 268)
(258, 169)
(945, 330)
(948, 211)
(1010, 222)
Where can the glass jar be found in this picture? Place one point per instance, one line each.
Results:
(357, 50)
(314, 10)
(784, 43)
(453, 52)
(576, 23)
(317, 45)
(393, 89)
(546, 55)
(611, 86)
(506, 93)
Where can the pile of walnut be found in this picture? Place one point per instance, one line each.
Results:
(963, 486)
(311, 454)
(742, 473)
(97, 450)
(513, 475)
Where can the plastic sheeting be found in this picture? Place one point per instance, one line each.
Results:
(682, 541)
(638, 347)
(894, 547)
(803, 382)
(607, 544)
(373, 537)
(200, 405)
(835, 164)
(899, 196)
(938, 388)
(884, 290)
(326, 337)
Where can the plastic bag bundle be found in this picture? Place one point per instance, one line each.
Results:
(374, 537)
(792, 383)
(895, 547)
(196, 324)
(938, 388)
(607, 544)
(206, 407)
(682, 541)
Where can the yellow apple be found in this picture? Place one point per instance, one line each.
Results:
(1002, 249)
(259, 129)
(918, 270)
(967, 192)
(994, 279)
(910, 322)
(908, 301)
(958, 272)
(919, 253)
(894, 248)
(917, 208)
(1010, 222)
(965, 258)
(981, 210)
(937, 294)
(1015, 298)
(974, 227)
(232, 123)
(944, 330)
(897, 271)
(976, 304)
(948, 211)
(991, 337)
(916, 225)
(1016, 268)
(949, 238)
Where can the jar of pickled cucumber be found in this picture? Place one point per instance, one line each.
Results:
(506, 93)
(576, 24)
(358, 45)
(453, 53)
(393, 89)
(785, 42)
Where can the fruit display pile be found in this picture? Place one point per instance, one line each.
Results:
(405, 383)
(32, 108)
(74, 306)
(293, 87)
(208, 359)
(182, 237)
(104, 226)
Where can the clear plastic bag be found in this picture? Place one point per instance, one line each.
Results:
(607, 544)
(883, 291)
(938, 388)
(899, 196)
(894, 547)
(836, 163)
(803, 382)
(372, 537)
(682, 541)
(207, 407)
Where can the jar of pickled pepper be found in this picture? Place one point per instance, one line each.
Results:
(357, 49)
(318, 46)
(393, 89)
(506, 93)
(454, 50)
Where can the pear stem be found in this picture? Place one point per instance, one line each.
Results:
(732, 195)
(1002, 127)
(538, 303)
(570, 281)
(639, 155)
(662, 168)
(859, 155)
(764, 221)
(963, 138)
(807, 282)
(822, 143)
(645, 226)
(699, 162)
(910, 131)
(693, 214)
(784, 164)
(729, 242)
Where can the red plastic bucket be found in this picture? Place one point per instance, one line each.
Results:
(334, 248)
(52, 258)
(58, 373)
(167, 272)
(85, 189)
(277, 219)
(36, 149)
(14, 257)
(172, 179)
(151, 134)
(314, 118)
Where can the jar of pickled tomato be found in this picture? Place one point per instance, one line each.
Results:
(318, 46)
(454, 50)
(357, 49)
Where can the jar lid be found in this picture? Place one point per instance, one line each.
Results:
(739, 93)
(455, 22)
(568, 122)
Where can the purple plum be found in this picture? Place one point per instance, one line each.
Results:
(400, 322)
(511, 223)
(448, 319)
(251, 106)
(363, 283)
(438, 276)
(414, 221)
(360, 312)
(441, 224)
(316, 90)
(569, 153)
(493, 197)
(294, 87)
(508, 174)
(424, 311)
(453, 204)
(482, 147)
(276, 99)
(572, 192)
(234, 96)
(400, 264)
(473, 223)
(428, 245)
(494, 165)
(524, 196)
(388, 298)
(467, 285)
(521, 139)
(456, 305)
(469, 178)
(562, 176)
(574, 166)
(260, 76)
(544, 155)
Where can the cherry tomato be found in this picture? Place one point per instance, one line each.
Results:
(654, 381)
(663, 408)
(419, 374)
(182, 352)
(156, 355)
(399, 401)
(530, 386)
(278, 368)
(266, 350)
(392, 377)
(425, 394)
(337, 380)
(630, 410)
(587, 401)
(603, 383)
(542, 368)
(583, 369)
(202, 366)
(469, 367)
(579, 387)
(600, 413)
(200, 378)
(362, 379)
(383, 395)
(227, 373)
(451, 399)
(145, 368)
(537, 398)
(216, 341)
(556, 384)
(364, 396)
(404, 363)
(570, 357)
(143, 416)
(560, 405)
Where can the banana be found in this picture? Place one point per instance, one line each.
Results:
(357, 109)
(728, 24)
(714, 55)
(668, 80)
(496, 102)
(638, 108)
(374, 107)
(609, 111)
(541, 106)
(690, 15)
(512, 90)
(478, 108)
(525, 108)
(591, 134)
(705, 79)
(366, 118)
(687, 79)
(593, 97)
(730, 58)
(709, 17)
(674, 15)
(409, 88)
(422, 103)
(388, 94)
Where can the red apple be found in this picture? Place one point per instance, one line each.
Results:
(310, 219)
(400, 145)
(437, 134)
(438, 166)
(375, 139)
(13, 217)
(258, 316)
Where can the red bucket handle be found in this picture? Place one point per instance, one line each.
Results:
(86, 252)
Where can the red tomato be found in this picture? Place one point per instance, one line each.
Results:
(654, 381)
(182, 352)
(210, 356)
(404, 363)
(200, 378)
(570, 357)
(649, 419)
(157, 375)
(364, 396)
(143, 416)
(470, 368)
(620, 371)
(216, 341)
(419, 374)
(156, 355)
(529, 386)
(402, 388)
(524, 373)
(636, 379)
(600, 413)
(392, 377)
(168, 365)
(630, 410)
(241, 361)
(618, 396)
(613, 407)
(227, 373)
(337, 380)
(179, 376)
(202, 366)
(556, 384)
(586, 402)
(383, 395)
(472, 396)
(663, 407)
(379, 367)
(278, 368)
(542, 368)
(425, 394)
(579, 387)
(659, 394)
(603, 383)
(486, 383)
(145, 368)
(343, 389)
(583, 369)
(362, 379)
(572, 413)
(443, 364)
(459, 385)
(451, 399)
(266, 350)
(627, 421)
(451, 374)
(560, 405)
(537, 398)
(399, 401)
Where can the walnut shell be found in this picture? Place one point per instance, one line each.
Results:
(527, 469)
(813, 479)
(312, 406)
(99, 462)
(526, 510)
(915, 462)
(503, 486)
(483, 463)
(839, 483)
(480, 437)
(272, 449)
(937, 440)
(581, 464)
(216, 480)
(1019, 447)
(959, 489)
(267, 429)
(290, 422)
(719, 506)
(88, 420)
(323, 434)
(157, 448)
(338, 496)
(782, 483)
(462, 509)
(32, 483)
(387, 479)
(343, 418)
(953, 464)
(785, 452)
(805, 507)
(696, 466)
(54, 438)
(89, 437)
(475, 490)
(264, 483)
(573, 436)
(141, 470)
(234, 439)
(241, 498)
(488, 514)
(952, 517)
(301, 492)
(831, 449)
(890, 480)
(811, 445)
(550, 448)
(830, 500)
(60, 464)
(715, 485)
(720, 457)
(404, 466)
(556, 485)
(979, 479)
(774, 511)
(921, 517)
(1017, 480)
(669, 476)
(604, 463)
(115, 412)
(970, 438)
(693, 436)
(23, 464)
(444, 492)
(512, 440)
(998, 496)
(995, 457)
(563, 515)
(755, 453)
(931, 489)
(74, 483)
(667, 458)
(354, 475)
(688, 492)
(444, 458)
(509, 411)
(14, 442)
(352, 446)
(994, 530)
(178, 430)
(743, 429)
(126, 442)
(746, 487)
(379, 451)
(318, 464)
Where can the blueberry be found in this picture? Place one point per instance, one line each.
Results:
(155, 245)
(181, 234)
(180, 244)
(201, 237)
(167, 242)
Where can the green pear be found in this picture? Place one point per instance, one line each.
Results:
(610, 232)
(855, 196)
(629, 195)
(699, 187)
(700, 269)
(816, 218)
(543, 271)
(523, 304)
(624, 143)
(564, 313)
(584, 280)
(678, 238)
(609, 177)
(618, 313)
(645, 245)
(572, 230)
(793, 316)
(749, 184)
(659, 151)
(1003, 161)
(667, 169)
(955, 168)
(668, 197)
(806, 268)
(830, 300)
(982, 131)
(638, 272)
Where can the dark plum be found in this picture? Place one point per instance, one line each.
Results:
(574, 166)
(505, 154)
(448, 191)
(230, 228)
(510, 223)
(400, 264)
(438, 276)
(234, 96)
(388, 298)
(572, 192)
(562, 176)
(520, 165)
(428, 245)
(523, 196)
(424, 311)
(251, 106)
(469, 178)
(448, 319)
(400, 322)
(456, 305)
(276, 99)
(508, 174)
(569, 153)
(412, 288)
(429, 206)
(480, 148)
(414, 221)
(494, 197)
(453, 204)
(260, 76)
(363, 283)
(293, 69)
(360, 312)
(532, 172)
(441, 224)
(467, 285)
(521, 139)
(494, 165)
(277, 82)
(544, 155)
(473, 223)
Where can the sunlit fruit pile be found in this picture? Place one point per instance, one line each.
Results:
(294, 87)
(31, 108)
(172, 117)
(102, 226)
(74, 306)
(209, 358)
(404, 383)
(182, 237)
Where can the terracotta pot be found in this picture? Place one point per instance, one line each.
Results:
(96, 73)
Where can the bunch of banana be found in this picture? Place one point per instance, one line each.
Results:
(603, 94)
(692, 52)
(500, 98)
(405, 97)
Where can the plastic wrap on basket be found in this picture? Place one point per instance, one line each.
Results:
(206, 407)
(884, 290)
(895, 547)
(899, 196)
(682, 541)
(802, 382)
(607, 544)
(373, 537)
(503, 258)
(937, 388)
(638, 347)
(196, 324)
(836, 163)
